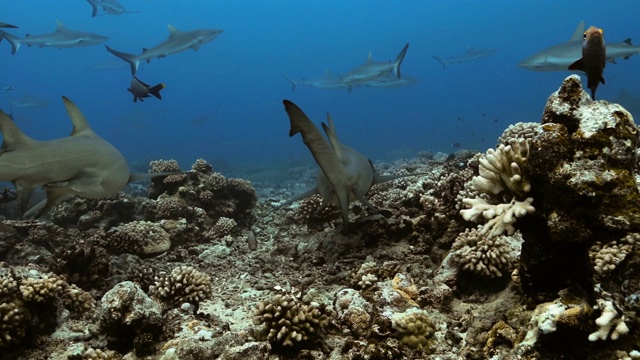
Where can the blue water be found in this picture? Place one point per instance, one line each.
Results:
(234, 84)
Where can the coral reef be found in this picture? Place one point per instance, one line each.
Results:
(454, 263)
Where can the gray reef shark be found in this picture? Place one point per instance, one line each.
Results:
(28, 101)
(346, 174)
(110, 7)
(61, 38)
(560, 56)
(82, 164)
(373, 69)
(328, 81)
(470, 55)
(176, 42)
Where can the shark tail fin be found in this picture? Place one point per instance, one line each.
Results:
(130, 58)
(441, 61)
(398, 61)
(293, 82)
(13, 40)
(155, 90)
(94, 4)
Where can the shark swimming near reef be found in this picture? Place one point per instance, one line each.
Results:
(81, 164)
(27, 101)
(346, 174)
(176, 42)
(371, 70)
(560, 56)
(470, 55)
(61, 38)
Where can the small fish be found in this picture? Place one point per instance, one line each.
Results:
(252, 241)
(456, 144)
(10, 87)
(141, 90)
(594, 57)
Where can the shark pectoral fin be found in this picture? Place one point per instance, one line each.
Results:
(53, 197)
(343, 200)
(23, 194)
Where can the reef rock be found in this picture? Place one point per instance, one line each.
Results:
(581, 164)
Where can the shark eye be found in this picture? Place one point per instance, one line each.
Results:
(584, 36)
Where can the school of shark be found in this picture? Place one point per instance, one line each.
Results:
(529, 250)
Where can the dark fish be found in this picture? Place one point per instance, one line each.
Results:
(456, 144)
(594, 57)
(141, 90)
(252, 241)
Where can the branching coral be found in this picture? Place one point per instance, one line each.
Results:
(139, 237)
(183, 284)
(485, 255)
(607, 257)
(414, 328)
(501, 189)
(612, 324)
(288, 321)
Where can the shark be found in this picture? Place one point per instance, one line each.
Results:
(5, 25)
(176, 42)
(373, 69)
(62, 37)
(470, 55)
(81, 164)
(560, 56)
(328, 81)
(110, 7)
(345, 175)
(28, 101)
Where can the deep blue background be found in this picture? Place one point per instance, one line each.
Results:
(235, 83)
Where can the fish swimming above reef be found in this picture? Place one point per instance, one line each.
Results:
(81, 164)
(593, 59)
(140, 90)
(110, 7)
(345, 174)
(560, 56)
(61, 38)
(470, 55)
(373, 69)
(176, 42)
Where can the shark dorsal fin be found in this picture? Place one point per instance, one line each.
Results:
(80, 124)
(578, 33)
(627, 41)
(172, 30)
(370, 57)
(60, 26)
(14, 138)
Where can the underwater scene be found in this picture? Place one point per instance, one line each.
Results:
(360, 180)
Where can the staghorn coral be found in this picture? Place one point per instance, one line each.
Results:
(501, 189)
(183, 284)
(414, 328)
(139, 237)
(485, 255)
(287, 321)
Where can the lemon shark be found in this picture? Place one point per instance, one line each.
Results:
(560, 56)
(176, 42)
(81, 164)
(345, 175)
(62, 37)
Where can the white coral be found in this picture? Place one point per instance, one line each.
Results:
(611, 324)
(501, 188)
